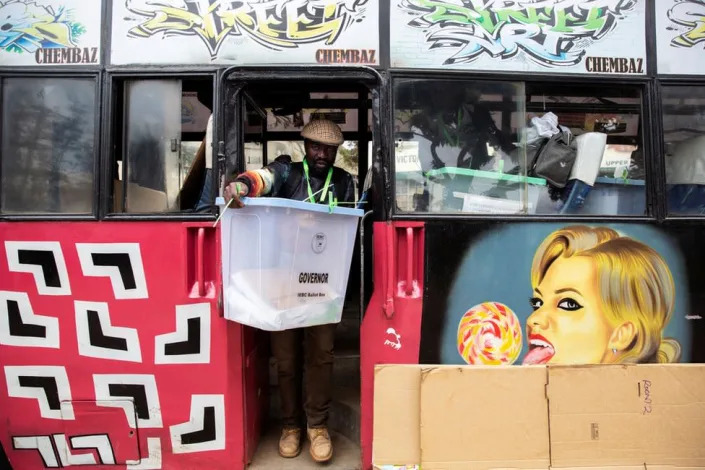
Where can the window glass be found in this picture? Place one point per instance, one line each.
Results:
(608, 176)
(505, 148)
(163, 161)
(153, 158)
(454, 147)
(48, 143)
(684, 140)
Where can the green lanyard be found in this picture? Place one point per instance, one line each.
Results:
(325, 186)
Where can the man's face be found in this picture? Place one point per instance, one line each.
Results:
(320, 156)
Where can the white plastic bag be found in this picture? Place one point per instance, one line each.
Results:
(542, 127)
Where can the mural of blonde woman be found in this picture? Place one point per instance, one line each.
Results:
(599, 297)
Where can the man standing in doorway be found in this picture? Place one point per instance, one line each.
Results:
(315, 179)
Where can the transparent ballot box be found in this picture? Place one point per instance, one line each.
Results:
(286, 263)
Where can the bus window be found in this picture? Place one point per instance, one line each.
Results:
(283, 128)
(162, 166)
(608, 176)
(48, 145)
(684, 140)
(454, 148)
(470, 147)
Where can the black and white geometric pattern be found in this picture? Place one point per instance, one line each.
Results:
(19, 326)
(44, 260)
(100, 442)
(205, 430)
(121, 262)
(191, 342)
(98, 338)
(49, 385)
(154, 461)
(41, 444)
(142, 389)
(68, 458)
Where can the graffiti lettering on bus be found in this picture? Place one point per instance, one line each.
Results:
(688, 16)
(30, 26)
(277, 25)
(550, 33)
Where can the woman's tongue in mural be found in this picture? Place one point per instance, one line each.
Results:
(567, 326)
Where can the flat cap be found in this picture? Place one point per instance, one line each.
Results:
(323, 131)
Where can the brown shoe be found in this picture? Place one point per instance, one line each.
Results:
(321, 446)
(290, 442)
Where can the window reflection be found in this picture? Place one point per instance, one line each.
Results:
(684, 139)
(48, 140)
(455, 147)
(161, 160)
(509, 148)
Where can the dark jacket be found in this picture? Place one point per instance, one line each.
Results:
(290, 182)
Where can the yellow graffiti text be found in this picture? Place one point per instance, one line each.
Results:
(689, 14)
(277, 25)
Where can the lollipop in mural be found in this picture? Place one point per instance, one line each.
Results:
(489, 334)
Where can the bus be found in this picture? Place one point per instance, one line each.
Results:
(490, 143)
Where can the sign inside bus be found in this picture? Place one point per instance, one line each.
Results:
(537, 293)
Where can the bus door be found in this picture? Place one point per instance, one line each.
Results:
(263, 113)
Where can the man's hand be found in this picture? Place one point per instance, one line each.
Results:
(235, 191)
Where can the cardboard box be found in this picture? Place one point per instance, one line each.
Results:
(476, 419)
(627, 415)
(396, 411)
(621, 417)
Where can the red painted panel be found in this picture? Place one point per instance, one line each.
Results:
(107, 424)
(135, 317)
(391, 329)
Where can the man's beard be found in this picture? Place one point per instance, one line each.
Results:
(317, 171)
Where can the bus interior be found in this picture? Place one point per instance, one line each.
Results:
(466, 146)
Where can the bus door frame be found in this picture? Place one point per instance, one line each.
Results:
(231, 95)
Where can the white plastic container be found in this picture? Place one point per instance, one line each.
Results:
(286, 263)
(483, 192)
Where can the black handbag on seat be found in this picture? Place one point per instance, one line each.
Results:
(555, 158)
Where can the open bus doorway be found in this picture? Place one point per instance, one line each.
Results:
(267, 118)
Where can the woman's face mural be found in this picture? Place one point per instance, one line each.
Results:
(596, 295)
(568, 325)
(599, 297)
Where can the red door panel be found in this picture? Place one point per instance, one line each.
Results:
(117, 311)
(391, 328)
